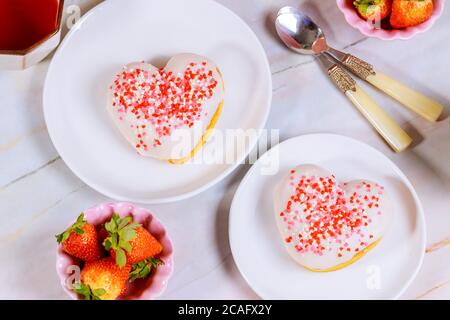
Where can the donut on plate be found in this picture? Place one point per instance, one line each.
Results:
(326, 226)
(167, 113)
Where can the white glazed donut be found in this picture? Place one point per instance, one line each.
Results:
(166, 113)
(325, 225)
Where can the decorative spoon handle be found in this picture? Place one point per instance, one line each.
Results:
(417, 102)
(392, 133)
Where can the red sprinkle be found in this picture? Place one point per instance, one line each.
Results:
(319, 214)
(163, 99)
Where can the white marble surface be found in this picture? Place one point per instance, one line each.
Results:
(39, 194)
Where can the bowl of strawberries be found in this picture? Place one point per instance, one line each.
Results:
(114, 251)
(391, 19)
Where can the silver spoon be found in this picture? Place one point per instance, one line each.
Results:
(302, 35)
(417, 102)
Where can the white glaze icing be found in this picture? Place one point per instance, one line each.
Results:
(326, 210)
(182, 138)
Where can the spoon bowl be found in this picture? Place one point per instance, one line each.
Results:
(299, 32)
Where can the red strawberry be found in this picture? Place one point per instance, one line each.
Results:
(373, 10)
(102, 233)
(129, 242)
(81, 241)
(408, 13)
(103, 279)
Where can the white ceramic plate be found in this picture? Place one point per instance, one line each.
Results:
(384, 273)
(118, 32)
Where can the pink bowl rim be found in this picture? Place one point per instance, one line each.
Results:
(353, 19)
(160, 277)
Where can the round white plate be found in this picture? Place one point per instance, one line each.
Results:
(118, 32)
(384, 273)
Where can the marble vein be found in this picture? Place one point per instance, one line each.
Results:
(433, 289)
(16, 140)
(13, 236)
(205, 274)
(28, 174)
(293, 67)
(354, 43)
(438, 245)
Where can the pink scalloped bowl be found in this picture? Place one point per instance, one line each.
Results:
(353, 19)
(147, 289)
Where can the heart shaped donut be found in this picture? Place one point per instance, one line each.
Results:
(326, 225)
(167, 113)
